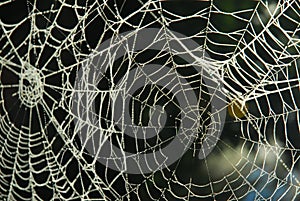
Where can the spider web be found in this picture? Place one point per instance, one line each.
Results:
(250, 48)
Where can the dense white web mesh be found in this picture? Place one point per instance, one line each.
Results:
(65, 101)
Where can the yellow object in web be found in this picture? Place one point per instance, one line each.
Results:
(237, 109)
